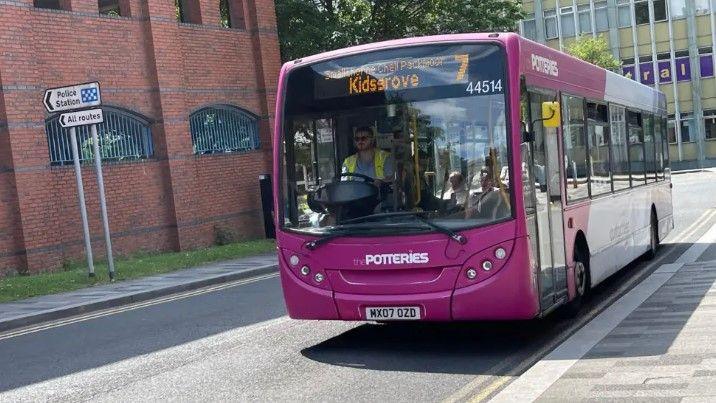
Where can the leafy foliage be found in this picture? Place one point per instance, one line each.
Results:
(311, 26)
(594, 50)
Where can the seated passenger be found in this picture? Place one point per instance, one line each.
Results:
(369, 160)
(490, 203)
(457, 191)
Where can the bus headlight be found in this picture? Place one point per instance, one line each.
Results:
(305, 270)
(500, 253)
(318, 277)
(471, 273)
(487, 265)
(293, 260)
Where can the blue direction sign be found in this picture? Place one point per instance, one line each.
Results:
(78, 96)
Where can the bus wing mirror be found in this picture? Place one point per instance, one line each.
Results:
(550, 114)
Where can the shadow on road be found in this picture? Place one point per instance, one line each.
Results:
(478, 348)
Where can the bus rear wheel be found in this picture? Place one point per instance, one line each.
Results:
(581, 284)
(653, 237)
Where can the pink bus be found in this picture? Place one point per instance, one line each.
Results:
(461, 177)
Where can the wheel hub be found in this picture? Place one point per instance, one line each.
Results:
(580, 278)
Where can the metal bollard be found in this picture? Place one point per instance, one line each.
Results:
(267, 205)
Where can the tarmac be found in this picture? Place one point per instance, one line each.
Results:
(57, 306)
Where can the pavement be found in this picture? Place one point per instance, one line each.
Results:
(656, 343)
(51, 307)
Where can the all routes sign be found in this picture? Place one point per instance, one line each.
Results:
(81, 118)
(73, 97)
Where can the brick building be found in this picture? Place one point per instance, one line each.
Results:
(188, 89)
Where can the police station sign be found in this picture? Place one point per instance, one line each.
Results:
(73, 97)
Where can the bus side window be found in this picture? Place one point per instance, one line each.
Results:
(649, 147)
(575, 147)
(619, 146)
(600, 181)
(636, 147)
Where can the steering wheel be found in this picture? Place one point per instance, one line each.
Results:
(365, 178)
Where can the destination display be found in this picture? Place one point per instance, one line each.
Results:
(459, 69)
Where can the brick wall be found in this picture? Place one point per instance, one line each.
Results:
(152, 65)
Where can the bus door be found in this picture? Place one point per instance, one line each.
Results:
(540, 155)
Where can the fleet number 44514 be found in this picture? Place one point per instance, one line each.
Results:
(484, 87)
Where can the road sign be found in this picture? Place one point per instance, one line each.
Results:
(73, 97)
(81, 118)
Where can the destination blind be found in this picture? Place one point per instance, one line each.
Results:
(448, 66)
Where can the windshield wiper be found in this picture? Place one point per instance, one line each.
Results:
(349, 230)
(459, 238)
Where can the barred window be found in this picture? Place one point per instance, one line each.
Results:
(123, 136)
(223, 129)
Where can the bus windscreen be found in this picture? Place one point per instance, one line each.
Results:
(419, 129)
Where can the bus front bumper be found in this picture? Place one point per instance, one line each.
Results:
(508, 295)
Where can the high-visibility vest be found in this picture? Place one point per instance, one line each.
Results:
(378, 160)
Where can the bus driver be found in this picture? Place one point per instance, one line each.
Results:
(369, 160)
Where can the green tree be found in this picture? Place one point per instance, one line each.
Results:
(311, 26)
(594, 50)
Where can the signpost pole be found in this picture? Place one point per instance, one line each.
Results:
(81, 197)
(102, 200)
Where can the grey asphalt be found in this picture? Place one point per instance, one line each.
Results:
(237, 344)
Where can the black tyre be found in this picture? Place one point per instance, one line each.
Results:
(581, 283)
(653, 237)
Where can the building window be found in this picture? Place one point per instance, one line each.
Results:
(224, 14)
(231, 14)
(659, 10)
(550, 24)
(600, 16)
(710, 124)
(223, 129)
(585, 19)
(116, 8)
(702, 7)
(624, 14)
(188, 11)
(686, 122)
(123, 136)
(685, 127)
(529, 29)
(566, 15)
(677, 8)
(575, 147)
(641, 12)
(51, 4)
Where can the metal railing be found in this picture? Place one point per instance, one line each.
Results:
(223, 129)
(122, 136)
